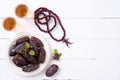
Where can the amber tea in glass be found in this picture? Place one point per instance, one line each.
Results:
(21, 10)
(9, 23)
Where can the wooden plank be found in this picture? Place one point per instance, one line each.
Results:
(80, 49)
(102, 68)
(74, 8)
(105, 29)
(3, 48)
(80, 72)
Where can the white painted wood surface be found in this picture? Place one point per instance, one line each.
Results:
(93, 26)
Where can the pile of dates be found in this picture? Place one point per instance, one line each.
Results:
(28, 53)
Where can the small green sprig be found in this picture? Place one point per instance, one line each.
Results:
(56, 55)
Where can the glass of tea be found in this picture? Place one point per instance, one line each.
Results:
(22, 11)
(10, 24)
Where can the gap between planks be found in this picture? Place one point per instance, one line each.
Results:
(2, 38)
(91, 59)
(110, 18)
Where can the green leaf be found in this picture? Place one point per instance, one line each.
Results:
(21, 51)
(27, 45)
(60, 54)
(55, 51)
(32, 52)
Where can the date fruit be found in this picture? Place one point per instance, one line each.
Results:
(35, 48)
(12, 51)
(19, 60)
(52, 70)
(36, 41)
(23, 39)
(20, 47)
(30, 59)
(42, 55)
(30, 67)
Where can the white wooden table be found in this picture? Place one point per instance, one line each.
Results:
(93, 26)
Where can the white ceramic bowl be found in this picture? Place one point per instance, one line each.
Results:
(42, 66)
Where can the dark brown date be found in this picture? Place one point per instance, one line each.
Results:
(23, 39)
(36, 41)
(19, 60)
(52, 70)
(20, 47)
(30, 67)
(12, 50)
(35, 48)
(42, 55)
(29, 58)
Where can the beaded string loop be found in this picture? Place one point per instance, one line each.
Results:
(47, 15)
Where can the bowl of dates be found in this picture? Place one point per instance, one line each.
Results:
(28, 54)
